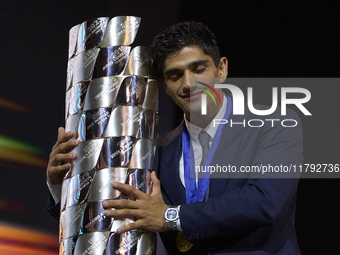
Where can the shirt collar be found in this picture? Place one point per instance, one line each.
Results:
(194, 130)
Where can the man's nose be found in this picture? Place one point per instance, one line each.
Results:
(187, 79)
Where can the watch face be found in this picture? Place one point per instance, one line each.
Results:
(171, 214)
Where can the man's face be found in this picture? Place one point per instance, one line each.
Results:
(190, 62)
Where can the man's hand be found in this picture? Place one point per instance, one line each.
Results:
(146, 210)
(60, 158)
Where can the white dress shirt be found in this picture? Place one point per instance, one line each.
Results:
(197, 148)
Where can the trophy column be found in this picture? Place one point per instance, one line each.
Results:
(112, 107)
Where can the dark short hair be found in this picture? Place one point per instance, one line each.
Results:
(183, 34)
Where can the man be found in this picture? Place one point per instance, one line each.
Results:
(249, 215)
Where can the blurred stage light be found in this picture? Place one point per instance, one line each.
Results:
(19, 241)
(20, 152)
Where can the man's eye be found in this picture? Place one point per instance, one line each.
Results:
(174, 77)
(200, 70)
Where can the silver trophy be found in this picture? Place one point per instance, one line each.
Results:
(112, 107)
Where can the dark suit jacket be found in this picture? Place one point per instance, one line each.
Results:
(248, 215)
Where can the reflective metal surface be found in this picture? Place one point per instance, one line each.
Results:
(102, 92)
(83, 66)
(124, 121)
(112, 107)
(70, 220)
(125, 243)
(91, 33)
(91, 243)
(67, 102)
(61, 228)
(93, 123)
(88, 154)
(119, 223)
(102, 184)
(140, 62)
(94, 219)
(78, 96)
(72, 123)
(111, 61)
(131, 91)
(140, 179)
(151, 96)
(116, 152)
(69, 75)
(121, 30)
(132, 243)
(143, 154)
(79, 188)
(67, 246)
(72, 41)
(148, 125)
(64, 193)
(147, 244)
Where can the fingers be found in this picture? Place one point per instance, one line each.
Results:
(147, 210)
(120, 204)
(129, 227)
(62, 136)
(64, 145)
(115, 209)
(137, 194)
(55, 175)
(156, 184)
(121, 209)
(129, 190)
(60, 157)
(122, 214)
(148, 183)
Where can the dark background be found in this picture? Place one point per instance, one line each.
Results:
(259, 38)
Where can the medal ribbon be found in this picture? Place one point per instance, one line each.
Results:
(192, 193)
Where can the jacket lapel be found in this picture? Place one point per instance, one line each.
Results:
(170, 151)
(226, 151)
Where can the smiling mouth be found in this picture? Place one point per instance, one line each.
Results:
(192, 96)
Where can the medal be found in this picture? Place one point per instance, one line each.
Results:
(183, 245)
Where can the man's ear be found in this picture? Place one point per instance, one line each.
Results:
(223, 67)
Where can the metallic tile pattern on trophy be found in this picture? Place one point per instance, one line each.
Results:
(111, 104)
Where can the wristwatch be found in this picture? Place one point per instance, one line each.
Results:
(171, 216)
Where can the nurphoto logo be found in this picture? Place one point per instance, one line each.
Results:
(204, 97)
(239, 103)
